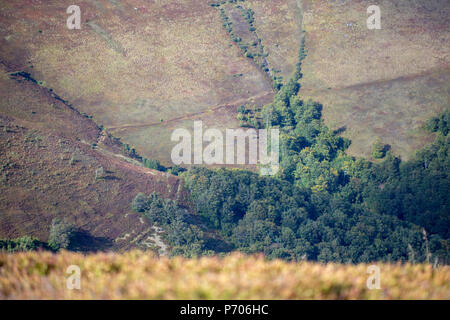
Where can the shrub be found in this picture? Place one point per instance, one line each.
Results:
(140, 203)
(378, 149)
(439, 123)
(61, 233)
(153, 164)
(176, 170)
(24, 243)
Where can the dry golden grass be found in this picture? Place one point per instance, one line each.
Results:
(140, 275)
(278, 24)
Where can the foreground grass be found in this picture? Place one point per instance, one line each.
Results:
(138, 275)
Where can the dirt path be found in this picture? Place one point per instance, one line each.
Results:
(190, 115)
(157, 240)
(407, 77)
(134, 162)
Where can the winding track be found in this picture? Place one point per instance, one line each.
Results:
(190, 115)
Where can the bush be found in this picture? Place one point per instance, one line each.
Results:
(184, 237)
(176, 170)
(140, 203)
(61, 233)
(153, 164)
(440, 123)
(378, 149)
(24, 243)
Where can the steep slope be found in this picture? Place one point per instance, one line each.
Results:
(133, 63)
(51, 167)
(378, 83)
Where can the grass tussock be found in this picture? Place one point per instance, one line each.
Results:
(139, 275)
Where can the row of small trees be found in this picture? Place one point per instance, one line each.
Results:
(60, 237)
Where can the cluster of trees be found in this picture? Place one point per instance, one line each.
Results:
(273, 216)
(25, 243)
(153, 164)
(416, 190)
(252, 49)
(440, 123)
(62, 234)
(149, 163)
(184, 236)
(249, 15)
(249, 117)
(325, 205)
(301, 56)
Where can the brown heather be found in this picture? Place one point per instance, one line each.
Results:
(141, 275)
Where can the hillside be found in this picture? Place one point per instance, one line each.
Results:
(143, 69)
(378, 83)
(78, 107)
(50, 154)
(137, 275)
(135, 64)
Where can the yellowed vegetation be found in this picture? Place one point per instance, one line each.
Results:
(378, 83)
(140, 275)
(278, 24)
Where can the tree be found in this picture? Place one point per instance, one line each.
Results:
(378, 150)
(61, 233)
(24, 243)
(140, 203)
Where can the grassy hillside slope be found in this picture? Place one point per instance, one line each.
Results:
(50, 154)
(134, 64)
(378, 83)
(137, 275)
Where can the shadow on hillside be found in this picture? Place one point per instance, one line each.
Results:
(386, 148)
(213, 241)
(340, 130)
(218, 245)
(83, 241)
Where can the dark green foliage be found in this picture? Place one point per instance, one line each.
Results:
(262, 214)
(185, 237)
(252, 49)
(325, 205)
(440, 123)
(241, 109)
(378, 149)
(249, 117)
(301, 56)
(148, 163)
(415, 191)
(249, 15)
(21, 244)
(130, 152)
(176, 170)
(153, 164)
